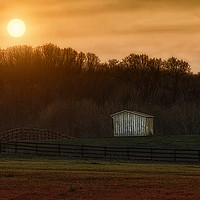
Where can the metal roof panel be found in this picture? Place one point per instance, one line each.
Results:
(132, 112)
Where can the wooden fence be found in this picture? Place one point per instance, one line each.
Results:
(26, 134)
(100, 152)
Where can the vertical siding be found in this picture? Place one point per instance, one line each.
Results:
(139, 130)
(146, 127)
(137, 127)
(132, 122)
(123, 124)
(114, 126)
(127, 124)
(120, 125)
(143, 133)
(131, 125)
(151, 126)
(135, 120)
(117, 125)
(125, 127)
(142, 126)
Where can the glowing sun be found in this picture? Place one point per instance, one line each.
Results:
(16, 28)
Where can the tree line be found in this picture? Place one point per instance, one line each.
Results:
(74, 92)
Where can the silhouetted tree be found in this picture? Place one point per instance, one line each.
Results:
(92, 61)
(177, 69)
(73, 92)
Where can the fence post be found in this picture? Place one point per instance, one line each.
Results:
(105, 152)
(151, 154)
(175, 155)
(15, 146)
(128, 153)
(59, 149)
(36, 149)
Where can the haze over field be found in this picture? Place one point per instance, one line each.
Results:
(109, 28)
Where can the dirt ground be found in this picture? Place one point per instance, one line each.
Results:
(43, 179)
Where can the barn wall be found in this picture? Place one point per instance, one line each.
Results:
(150, 126)
(127, 124)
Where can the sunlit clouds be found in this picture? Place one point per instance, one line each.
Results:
(110, 28)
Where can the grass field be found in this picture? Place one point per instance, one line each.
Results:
(52, 179)
(168, 141)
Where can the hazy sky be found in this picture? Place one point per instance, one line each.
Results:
(109, 28)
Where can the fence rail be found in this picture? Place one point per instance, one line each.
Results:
(100, 152)
(27, 134)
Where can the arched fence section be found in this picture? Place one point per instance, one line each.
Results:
(27, 134)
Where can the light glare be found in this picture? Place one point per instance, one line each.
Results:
(16, 28)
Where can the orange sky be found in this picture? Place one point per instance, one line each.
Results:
(109, 28)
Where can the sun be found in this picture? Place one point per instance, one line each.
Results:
(16, 28)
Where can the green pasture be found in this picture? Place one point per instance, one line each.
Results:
(16, 162)
(167, 141)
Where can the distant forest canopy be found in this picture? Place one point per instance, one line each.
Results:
(74, 93)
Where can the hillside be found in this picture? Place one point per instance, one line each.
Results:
(168, 141)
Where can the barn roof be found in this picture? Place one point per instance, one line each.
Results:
(132, 112)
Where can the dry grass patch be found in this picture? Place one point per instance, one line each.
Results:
(47, 179)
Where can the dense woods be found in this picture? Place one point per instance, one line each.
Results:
(72, 92)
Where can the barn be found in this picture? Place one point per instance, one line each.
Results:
(132, 123)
